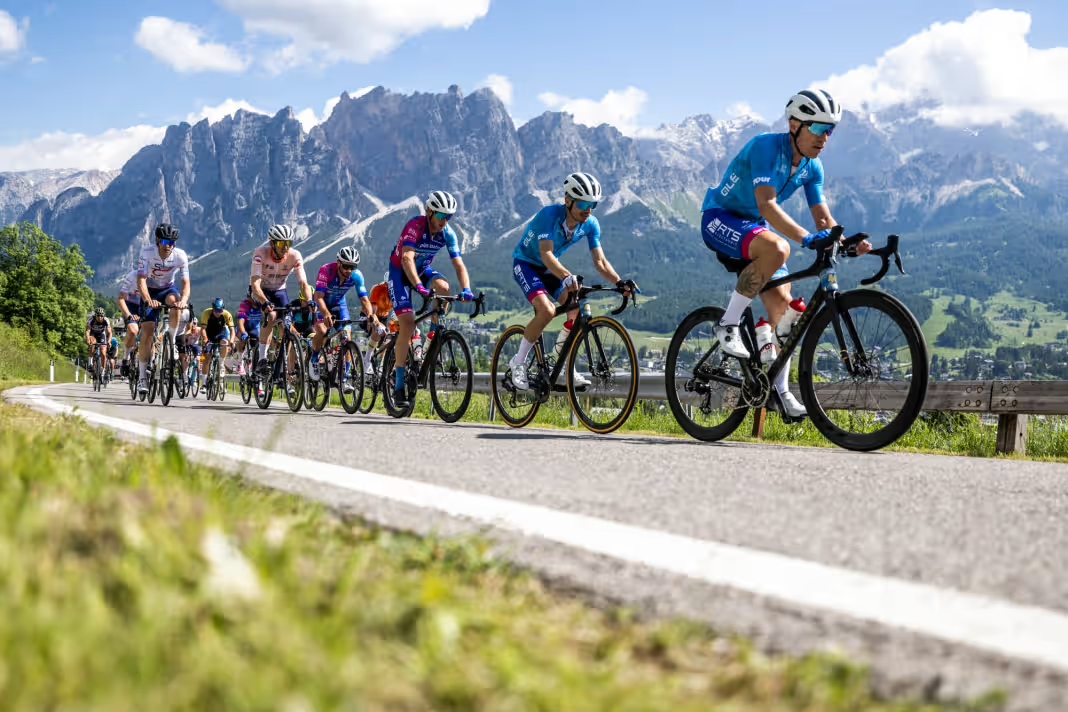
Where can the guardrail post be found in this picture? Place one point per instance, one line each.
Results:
(76, 372)
(574, 418)
(760, 415)
(1012, 433)
(492, 409)
(52, 371)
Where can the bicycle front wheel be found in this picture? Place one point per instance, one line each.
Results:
(372, 386)
(166, 376)
(516, 406)
(294, 374)
(316, 393)
(451, 377)
(389, 382)
(604, 355)
(350, 376)
(863, 372)
(704, 386)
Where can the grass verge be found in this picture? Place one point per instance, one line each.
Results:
(135, 579)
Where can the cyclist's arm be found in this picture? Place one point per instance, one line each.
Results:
(601, 264)
(821, 214)
(461, 272)
(549, 260)
(257, 288)
(770, 210)
(367, 308)
(306, 289)
(142, 287)
(184, 299)
(320, 299)
(408, 264)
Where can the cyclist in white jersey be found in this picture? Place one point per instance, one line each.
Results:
(129, 302)
(272, 263)
(158, 271)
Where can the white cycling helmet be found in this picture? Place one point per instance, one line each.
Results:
(583, 186)
(441, 202)
(814, 105)
(349, 255)
(281, 233)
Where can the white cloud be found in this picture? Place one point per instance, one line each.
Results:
(980, 71)
(348, 30)
(12, 34)
(181, 46)
(620, 109)
(742, 109)
(500, 85)
(106, 151)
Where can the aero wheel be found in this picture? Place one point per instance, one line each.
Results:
(218, 378)
(451, 377)
(372, 385)
(133, 379)
(350, 376)
(166, 372)
(389, 383)
(263, 383)
(704, 386)
(603, 355)
(863, 373)
(516, 407)
(294, 374)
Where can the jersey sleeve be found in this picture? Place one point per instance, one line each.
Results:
(451, 243)
(181, 271)
(205, 316)
(814, 186)
(322, 280)
(412, 233)
(763, 155)
(228, 318)
(142, 265)
(361, 289)
(257, 264)
(302, 276)
(593, 237)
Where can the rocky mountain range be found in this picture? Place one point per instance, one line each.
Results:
(356, 174)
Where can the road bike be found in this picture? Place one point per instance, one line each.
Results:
(862, 372)
(340, 365)
(598, 346)
(445, 369)
(285, 364)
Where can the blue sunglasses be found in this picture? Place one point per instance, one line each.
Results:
(818, 129)
(584, 205)
(168, 243)
(442, 216)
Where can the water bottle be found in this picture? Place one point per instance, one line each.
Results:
(562, 337)
(793, 313)
(765, 343)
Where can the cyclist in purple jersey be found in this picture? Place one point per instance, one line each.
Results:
(334, 282)
(740, 210)
(409, 267)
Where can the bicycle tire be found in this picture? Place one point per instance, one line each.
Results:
(245, 381)
(296, 400)
(166, 384)
(350, 352)
(917, 389)
(695, 430)
(133, 380)
(218, 375)
(389, 382)
(181, 383)
(316, 393)
(372, 384)
(267, 384)
(451, 374)
(630, 397)
(498, 374)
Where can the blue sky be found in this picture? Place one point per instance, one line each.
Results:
(94, 80)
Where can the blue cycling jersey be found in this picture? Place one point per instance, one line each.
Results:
(766, 160)
(549, 224)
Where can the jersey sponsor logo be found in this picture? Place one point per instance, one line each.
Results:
(730, 186)
(716, 227)
(762, 179)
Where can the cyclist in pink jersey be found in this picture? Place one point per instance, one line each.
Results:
(272, 264)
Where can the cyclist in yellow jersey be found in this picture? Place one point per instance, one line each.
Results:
(218, 327)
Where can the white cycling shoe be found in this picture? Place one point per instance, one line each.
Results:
(313, 370)
(579, 380)
(791, 406)
(730, 340)
(519, 375)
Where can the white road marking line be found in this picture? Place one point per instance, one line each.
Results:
(1017, 631)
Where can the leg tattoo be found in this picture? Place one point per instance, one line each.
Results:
(751, 280)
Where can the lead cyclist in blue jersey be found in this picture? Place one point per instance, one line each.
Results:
(740, 210)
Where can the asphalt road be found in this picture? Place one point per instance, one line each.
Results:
(981, 536)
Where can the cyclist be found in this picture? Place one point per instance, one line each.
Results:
(98, 334)
(740, 210)
(129, 302)
(159, 267)
(334, 281)
(113, 351)
(383, 312)
(188, 344)
(249, 318)
(409, 268)
(218, 329)
(272, 263)
(541, 275)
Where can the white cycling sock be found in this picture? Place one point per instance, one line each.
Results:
(144, 368)
(263, 351)
(735, 309)
(782, 381)
(524, 351)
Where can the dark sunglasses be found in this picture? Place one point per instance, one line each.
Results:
(167, 243)
(442, 216)
(346, 266)
(819, 128)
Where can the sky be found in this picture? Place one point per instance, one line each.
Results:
(86, 84)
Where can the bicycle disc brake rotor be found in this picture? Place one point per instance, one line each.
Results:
(755, 392)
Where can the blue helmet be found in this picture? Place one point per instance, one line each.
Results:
(218, 303)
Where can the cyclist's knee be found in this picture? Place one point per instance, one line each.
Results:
(769, 247)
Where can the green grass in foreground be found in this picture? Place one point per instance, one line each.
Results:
(136, 580)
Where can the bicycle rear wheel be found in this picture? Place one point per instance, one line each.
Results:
(517, 407)
(389, 382)
(605, 351)
(350, 376)
(265, 383)
(294, 373)
(372, 386)
(316, 393)
(704, 387)
(857, 373)
(451, 376)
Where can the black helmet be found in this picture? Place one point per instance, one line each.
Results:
(166, 231)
